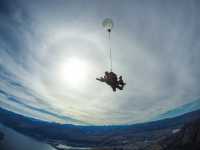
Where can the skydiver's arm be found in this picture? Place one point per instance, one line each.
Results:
(100, 79)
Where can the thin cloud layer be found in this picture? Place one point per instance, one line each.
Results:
(155, 47)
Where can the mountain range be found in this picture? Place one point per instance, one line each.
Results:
(134, 136)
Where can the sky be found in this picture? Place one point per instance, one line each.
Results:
(52, 51)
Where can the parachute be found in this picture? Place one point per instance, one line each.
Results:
(108, 24)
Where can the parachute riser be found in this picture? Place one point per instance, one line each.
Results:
(110, 50)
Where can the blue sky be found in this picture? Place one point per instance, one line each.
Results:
(155, 48)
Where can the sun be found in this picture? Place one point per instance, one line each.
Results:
(74, 72)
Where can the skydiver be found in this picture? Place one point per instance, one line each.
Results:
(113, 81)
(110, 78)
(121, 82)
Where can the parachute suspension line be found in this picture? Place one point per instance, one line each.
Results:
(110, 50)
(108, 25)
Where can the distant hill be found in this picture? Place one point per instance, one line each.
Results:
(97, 136)
(1, 136)
(188, 138)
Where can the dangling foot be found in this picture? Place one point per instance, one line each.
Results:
(114, 89)
(122, 86)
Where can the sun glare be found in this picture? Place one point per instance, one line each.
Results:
(74, 72)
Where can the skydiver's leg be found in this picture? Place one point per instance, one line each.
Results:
(122, 84)
(114, 89)
(119, 87)
(113, 85)
(116, 84)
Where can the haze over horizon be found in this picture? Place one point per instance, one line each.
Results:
(52, 51)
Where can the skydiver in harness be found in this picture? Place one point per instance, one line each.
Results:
(111, 79)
